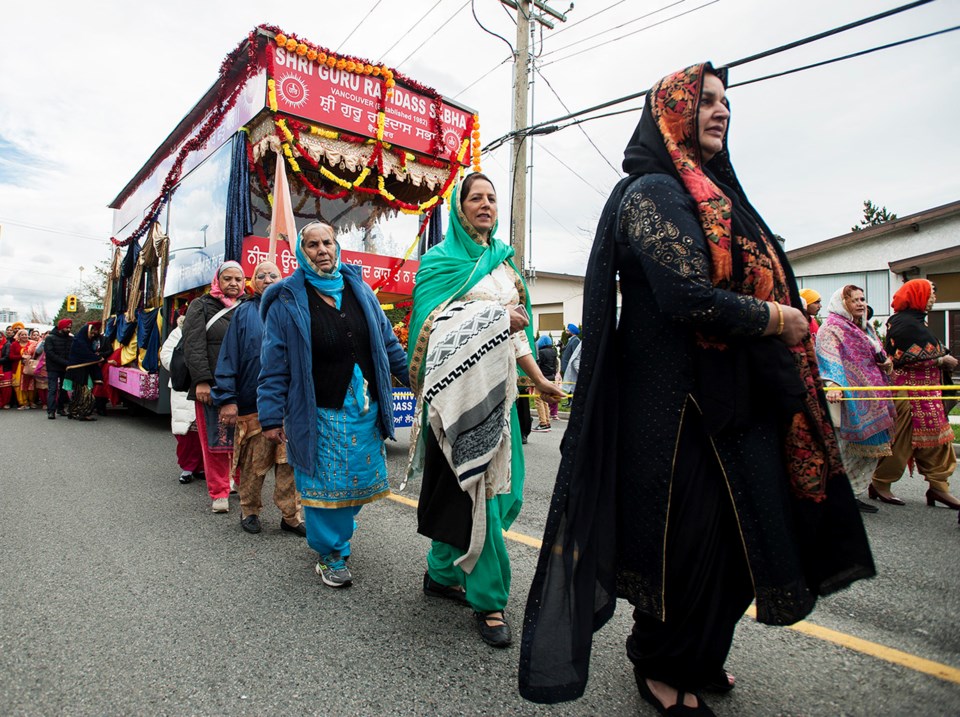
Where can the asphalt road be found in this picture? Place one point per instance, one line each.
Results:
(121, 594)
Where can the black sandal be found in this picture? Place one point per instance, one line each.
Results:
(494, 635)
(451, 592)
(720, 683)
(675, 710)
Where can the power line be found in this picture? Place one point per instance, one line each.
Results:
(616, 27)
(483, 76)
(476, 19)
(430, 37)
(774, 75)
(631, 34)
(828, 33)
(574, 172)
(402, 36)
(51, 230)
(369, 13)
(588, 17)
(847, 57)
(563, 104)
(782, 48)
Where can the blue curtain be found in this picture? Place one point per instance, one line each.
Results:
(148, 339)
(239, 223)
(434, 233)
(125, 329)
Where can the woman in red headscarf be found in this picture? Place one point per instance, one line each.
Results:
(923, 433)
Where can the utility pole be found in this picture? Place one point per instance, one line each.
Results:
(522, 64)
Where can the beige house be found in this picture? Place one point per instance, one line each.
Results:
(557, 300)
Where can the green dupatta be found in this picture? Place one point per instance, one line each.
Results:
(446, 273)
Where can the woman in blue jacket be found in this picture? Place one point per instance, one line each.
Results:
(328, 352)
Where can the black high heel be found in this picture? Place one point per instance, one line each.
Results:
(875, 495)
(933, 499)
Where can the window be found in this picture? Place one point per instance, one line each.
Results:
(550, 322)
(198, 207)
(876, 285)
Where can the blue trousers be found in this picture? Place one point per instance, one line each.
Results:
(329, 529)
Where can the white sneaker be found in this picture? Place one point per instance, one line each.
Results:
(221, 505)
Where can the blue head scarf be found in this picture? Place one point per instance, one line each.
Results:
(328, 284)
(544, 340)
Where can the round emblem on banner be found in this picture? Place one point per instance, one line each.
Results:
(292, 90)
(451, 140)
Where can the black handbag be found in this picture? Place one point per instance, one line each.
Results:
(950, 398)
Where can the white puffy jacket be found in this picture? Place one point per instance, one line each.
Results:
(182, 410)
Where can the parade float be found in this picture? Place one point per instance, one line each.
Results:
(360, 146)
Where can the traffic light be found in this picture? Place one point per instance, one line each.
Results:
(72, 304)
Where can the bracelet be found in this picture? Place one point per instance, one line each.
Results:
(780, 321)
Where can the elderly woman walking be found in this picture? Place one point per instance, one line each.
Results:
(923, 432)
(470, 331)
(205, 326)
(324, 390)
(849, 354)
(235, 393)
(699, 470)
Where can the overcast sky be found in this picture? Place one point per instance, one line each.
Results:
(89, 90)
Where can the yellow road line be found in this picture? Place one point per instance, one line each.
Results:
(882, 652)
(873, 649)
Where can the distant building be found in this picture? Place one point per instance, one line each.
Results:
(7, 316)
(880, 259)
(556, 300)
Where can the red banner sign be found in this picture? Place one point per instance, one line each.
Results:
(382, 271)
(349, 101)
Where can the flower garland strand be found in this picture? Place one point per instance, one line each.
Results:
(223, 102)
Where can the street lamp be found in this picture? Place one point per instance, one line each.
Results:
(81, 280)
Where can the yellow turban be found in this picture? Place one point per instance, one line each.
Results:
(810, 296)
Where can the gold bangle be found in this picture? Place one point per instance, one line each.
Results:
(780, 320)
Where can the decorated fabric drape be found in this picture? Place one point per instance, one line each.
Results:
(239, 224)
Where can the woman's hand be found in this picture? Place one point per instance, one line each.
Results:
(550, 392)
(948, 362)
(796, 325)
(886, 366)
(832, 396)
(518, 318)
(228, 414)
(203, 393)
(276, 435)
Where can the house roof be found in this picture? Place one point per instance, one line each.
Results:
(912, 221)
(559, 277)
(920, 260)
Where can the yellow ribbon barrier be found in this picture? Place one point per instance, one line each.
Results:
(892, 388)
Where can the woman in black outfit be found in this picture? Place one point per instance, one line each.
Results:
(699, 470)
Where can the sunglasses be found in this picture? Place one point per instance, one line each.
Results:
(272, 275)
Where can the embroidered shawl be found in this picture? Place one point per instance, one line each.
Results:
(469, 386)
(745, 258)
(847, 356)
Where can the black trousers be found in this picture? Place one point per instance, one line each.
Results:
(707, 583)
(57, 398)
(523, 413)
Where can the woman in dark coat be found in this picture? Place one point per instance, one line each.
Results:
(201, 348)
(715, 479)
